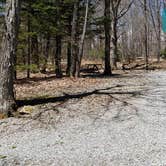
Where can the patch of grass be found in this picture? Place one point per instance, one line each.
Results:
(163, 54)
(38, 96)
(14, 147)
(33, 68)
(3, 157)
(97, 53)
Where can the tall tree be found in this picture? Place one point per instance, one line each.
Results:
(58, 70)
(118, 10)
(58, 52)
(81, 43)
(17, 21)
(146, 33)
(107, 27)
(74, 40)
(7, 99)
(46, 53)
(155, 10)
(29, 40)
(69, 29)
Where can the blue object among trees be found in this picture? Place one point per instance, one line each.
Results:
(164, 20)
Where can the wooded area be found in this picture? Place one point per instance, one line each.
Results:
(82, 82)
(62, 36)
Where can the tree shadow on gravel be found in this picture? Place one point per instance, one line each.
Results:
(66, 97)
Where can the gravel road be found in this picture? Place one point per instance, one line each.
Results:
(121, 122)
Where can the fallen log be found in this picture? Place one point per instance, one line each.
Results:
(137, 66)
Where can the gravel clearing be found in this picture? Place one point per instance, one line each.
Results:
(122, 125)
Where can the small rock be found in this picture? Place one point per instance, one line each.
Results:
(26, 110)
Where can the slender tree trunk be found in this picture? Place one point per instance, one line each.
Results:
(17, 20)
(58, 70)
(155, 8)
(29, 50)
(69, 47)
(158, 49)
(81, 44)
(7, 98)
(24, 56)
(159, 31)
(146, 35)
(46, 53)
(74, 41)
(68, 58)
(29, 40)
(107, 27)
(35, 50)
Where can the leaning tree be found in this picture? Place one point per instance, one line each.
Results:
(7, 54)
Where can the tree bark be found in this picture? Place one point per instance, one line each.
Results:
(68, 58)
(69, 47)
(155, 11)
(107, 27)
(116, 15)
(29, 40)
(35, 50)
(146, 35)
(17, 20)
(46, 53)
(81, 44)
(58, 70)
(115, 44)
(159, 30)
(74, 40)
(7, 98)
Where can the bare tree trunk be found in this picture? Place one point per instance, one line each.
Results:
(23, 56)
(46, 53)
(81, 44)
(29, 40)
(69, 47)
(146, 35)
(159, 30)
(159, 47)
(7, 99)
(58, 70)
(17, 20)
(107, 27)
(68, 58)
(155, 11)
(74, 41)
(116, 15)
(35, 50)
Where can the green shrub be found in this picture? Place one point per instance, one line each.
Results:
(97, 53)
(163, 53)
(33, 68)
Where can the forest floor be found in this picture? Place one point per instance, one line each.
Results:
(100, 121)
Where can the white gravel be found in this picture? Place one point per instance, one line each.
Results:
(96, 130)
